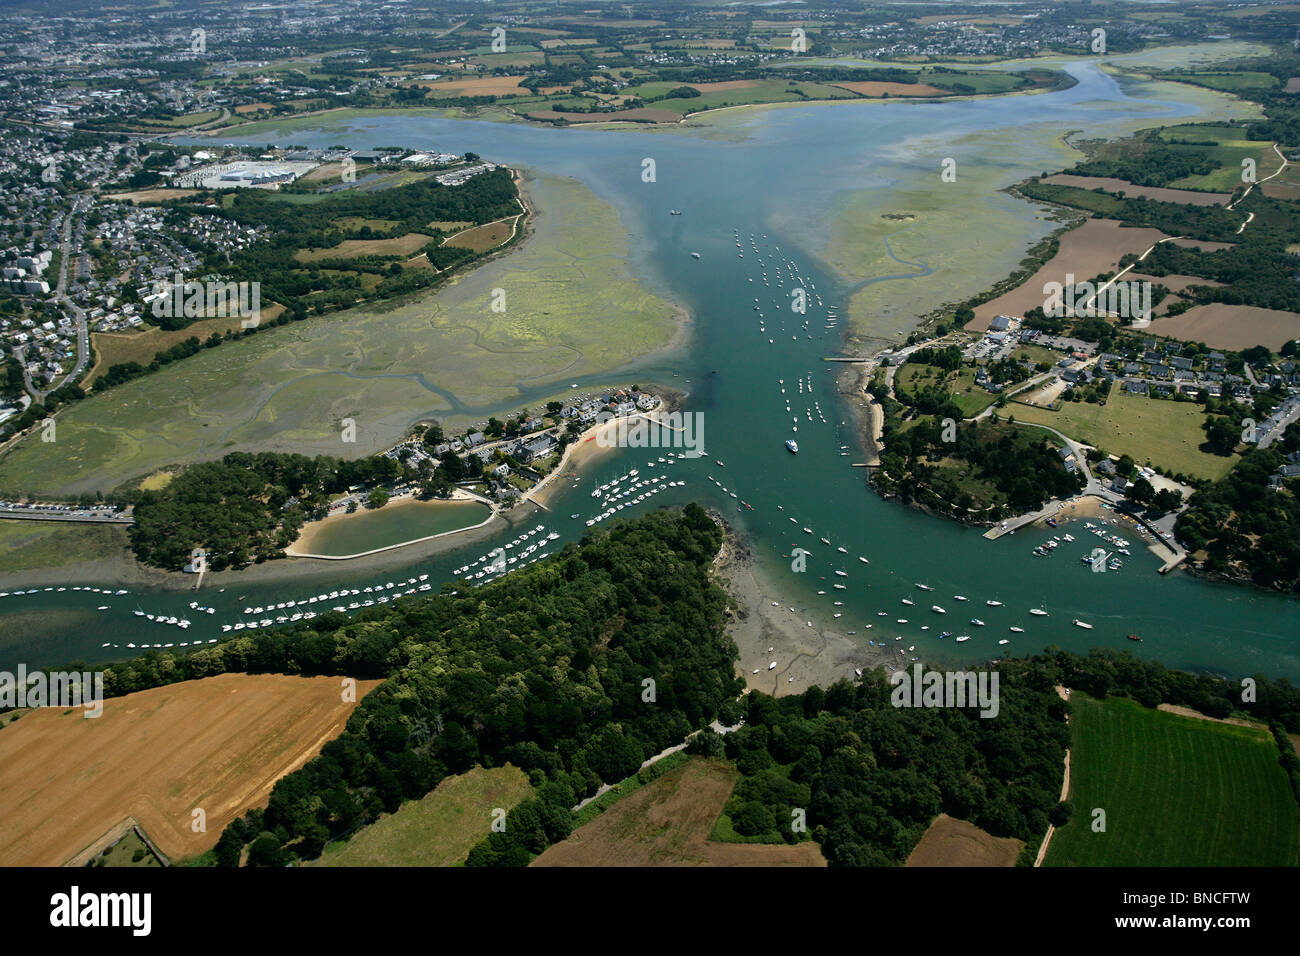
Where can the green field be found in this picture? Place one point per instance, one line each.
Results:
(1176, 791)
(1233, 82)
(440, 828)
(1229, 153)
(295, 383)
(969, 397)
(53, 544)
(1154, 431)
(128, 851)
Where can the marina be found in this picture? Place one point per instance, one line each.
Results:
(770, 380)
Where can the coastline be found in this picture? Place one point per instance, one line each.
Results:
(304, 545)
(763, 633)
(586, 448)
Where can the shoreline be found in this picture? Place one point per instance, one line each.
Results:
(481, 114)
(302, 545)
(582, 452)
(763, 633)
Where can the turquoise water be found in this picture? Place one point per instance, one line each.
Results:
(779, 176)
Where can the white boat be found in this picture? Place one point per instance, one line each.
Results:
(863, 560)
(1038, 611)
(993, 603)
(937, 610)
(1017, 630)
(1004, 641)
(977, 622)
(964, 637)
(959, 597)
(1083, 624)
(924, 587)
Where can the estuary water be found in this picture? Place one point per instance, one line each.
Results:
(757, 191)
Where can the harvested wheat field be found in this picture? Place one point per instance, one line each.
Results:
(354, 248)
(483, 86)
(1089, 250)
(667, 823)
(114, 348)
(1223, 326)
(1190, 197)
(482, 238)
(152, 195)
(953, 842)
(880, 88)
(218, 744)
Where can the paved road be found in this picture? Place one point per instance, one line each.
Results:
(78, 517)
(70, 222)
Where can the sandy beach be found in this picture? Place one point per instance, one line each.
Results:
(307, 542)
(763, 633)
(124, 571)
(867, 415)
(587, 448)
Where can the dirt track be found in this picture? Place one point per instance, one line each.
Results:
(667, 823)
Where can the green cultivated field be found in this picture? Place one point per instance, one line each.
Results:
(1163, 432)
(440, 828)
(1177, 791)
(1227, 82)
(1229, 152)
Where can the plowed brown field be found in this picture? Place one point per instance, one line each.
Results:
(218, 744)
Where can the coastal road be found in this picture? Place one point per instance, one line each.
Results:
(77, 517)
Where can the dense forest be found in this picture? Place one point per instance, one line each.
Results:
(546, 668)
(1259, 271)
(1020, 464)
(1214, 223)
(872, 776)
(1247, 529)
(246, 507)
(1147, 160)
